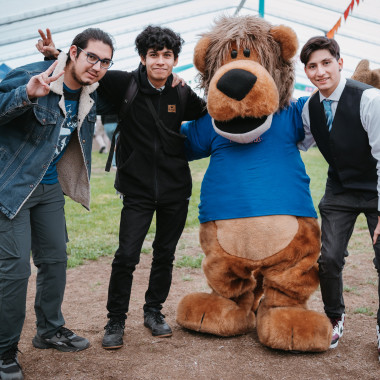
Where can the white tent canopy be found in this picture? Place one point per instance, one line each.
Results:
(358, 36)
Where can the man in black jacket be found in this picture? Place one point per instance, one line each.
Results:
(152, 174)
(343, 118)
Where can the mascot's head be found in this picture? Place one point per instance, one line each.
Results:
(247, 72)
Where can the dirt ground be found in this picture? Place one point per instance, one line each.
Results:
(189, 355)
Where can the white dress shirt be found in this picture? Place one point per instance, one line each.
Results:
(369, 116)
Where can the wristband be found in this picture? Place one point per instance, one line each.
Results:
(51, 57)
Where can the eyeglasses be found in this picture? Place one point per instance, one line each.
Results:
(94, 59)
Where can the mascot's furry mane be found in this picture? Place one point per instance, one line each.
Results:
(251, 33)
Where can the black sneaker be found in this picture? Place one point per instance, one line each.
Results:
(113, 337)
(10, 368)
(63, 340)
(155, 321)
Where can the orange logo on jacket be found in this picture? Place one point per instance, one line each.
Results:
(171, 108)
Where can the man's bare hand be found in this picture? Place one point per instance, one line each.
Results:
(177, 80)
(38, 86)
(45, 44)
(376, 233)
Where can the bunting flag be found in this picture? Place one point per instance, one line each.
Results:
(331, 33)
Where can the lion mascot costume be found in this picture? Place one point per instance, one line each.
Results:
(258, 228)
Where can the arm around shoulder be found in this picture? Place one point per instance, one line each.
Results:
(195, 105)
(199, 135)
(111, 91)
(308, 139)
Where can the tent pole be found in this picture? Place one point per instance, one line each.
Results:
(261, 8)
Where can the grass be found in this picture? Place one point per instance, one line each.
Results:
(316, 168)
(364, 310)
(189, 261)
(95, 234)
(351, 289)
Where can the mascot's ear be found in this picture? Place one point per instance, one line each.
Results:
(200, 54)
(287, 39)
(364, 74)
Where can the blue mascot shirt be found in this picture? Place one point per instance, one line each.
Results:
(266, 177)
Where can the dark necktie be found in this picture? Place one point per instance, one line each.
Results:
(328, 112)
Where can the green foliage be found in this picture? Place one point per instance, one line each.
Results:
(316, 168)
(364, 310)
(94, 234)
(198, 169)
(371, 281)
(352, 289)
(187, 261)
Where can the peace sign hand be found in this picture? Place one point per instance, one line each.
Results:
(38, 86)
(45, 44)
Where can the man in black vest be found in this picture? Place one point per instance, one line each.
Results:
(343, 119)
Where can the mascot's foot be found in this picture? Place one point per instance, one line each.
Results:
(213, 314)
(293, 329)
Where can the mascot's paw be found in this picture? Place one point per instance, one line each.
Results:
(213, 314)
(293, 329)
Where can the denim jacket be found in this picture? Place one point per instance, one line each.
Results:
(29, 132)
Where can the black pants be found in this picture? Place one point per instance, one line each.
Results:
(39, 227)
(339, 213)
(136, 217)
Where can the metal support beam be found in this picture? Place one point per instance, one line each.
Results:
(261, 8)
(239, 7)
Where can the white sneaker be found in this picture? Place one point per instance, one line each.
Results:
(378, 340)
(338, 326)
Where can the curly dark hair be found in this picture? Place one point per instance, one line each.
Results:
(157, 38)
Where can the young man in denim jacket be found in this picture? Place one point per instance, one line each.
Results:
(47, 119)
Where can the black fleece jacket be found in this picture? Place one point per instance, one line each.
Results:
(144, 170)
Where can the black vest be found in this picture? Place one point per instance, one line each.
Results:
(346, 148)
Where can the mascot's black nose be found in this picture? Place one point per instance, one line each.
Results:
(236, 83)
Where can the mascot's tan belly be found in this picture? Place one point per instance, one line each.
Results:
(256, 238)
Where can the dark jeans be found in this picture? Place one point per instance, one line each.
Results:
(136, 217)
(38, 227)
(339, 213)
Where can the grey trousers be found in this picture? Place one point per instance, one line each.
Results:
(338, 214)
(39, 227)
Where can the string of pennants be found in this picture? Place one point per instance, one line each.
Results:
(331, 33)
